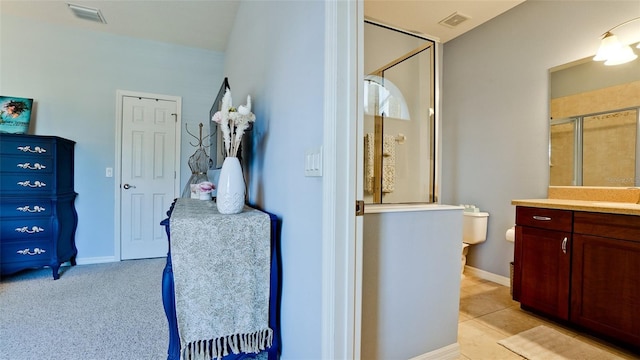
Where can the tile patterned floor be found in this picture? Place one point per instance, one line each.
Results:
(488, 314)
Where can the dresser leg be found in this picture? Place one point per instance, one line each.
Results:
(55, 269)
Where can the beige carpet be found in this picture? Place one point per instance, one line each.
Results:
(544, 343)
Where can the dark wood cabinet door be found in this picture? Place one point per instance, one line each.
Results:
(605, 294)
(543, 264)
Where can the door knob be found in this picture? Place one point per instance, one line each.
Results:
(127, 186)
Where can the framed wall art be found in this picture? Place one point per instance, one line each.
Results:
(15, 114)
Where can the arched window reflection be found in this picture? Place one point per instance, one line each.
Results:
(382, 97)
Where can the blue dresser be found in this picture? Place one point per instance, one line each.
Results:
(38, 218)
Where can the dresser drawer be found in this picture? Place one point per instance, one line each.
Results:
(26, 164)
(550, 219)
(13, 229)
(616, 226)
(25, 207)
(17, 144)
(34, 250)
(27, 184)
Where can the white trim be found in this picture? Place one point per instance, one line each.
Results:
(449, 352)
(498, 279)
(386, 208)
(96, 260)
(341, 310)
(118, 155)
(356, 94)
(328, 189)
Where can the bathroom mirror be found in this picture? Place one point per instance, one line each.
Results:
(399, 121)
(594, 113)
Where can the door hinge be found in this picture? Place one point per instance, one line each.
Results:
(359, 207)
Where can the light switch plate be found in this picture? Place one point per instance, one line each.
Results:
(313, 162)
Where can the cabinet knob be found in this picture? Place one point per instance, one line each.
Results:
(564, 244)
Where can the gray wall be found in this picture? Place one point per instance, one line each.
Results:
(411, 282)
(73, 77)
(276, 55)
(495, 106)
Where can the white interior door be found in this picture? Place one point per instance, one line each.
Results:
(148, 176)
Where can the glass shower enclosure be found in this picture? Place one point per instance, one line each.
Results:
(399, 121)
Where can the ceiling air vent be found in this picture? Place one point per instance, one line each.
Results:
(87, 13)
(454, 20)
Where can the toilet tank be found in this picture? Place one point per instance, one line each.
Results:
(474, 227)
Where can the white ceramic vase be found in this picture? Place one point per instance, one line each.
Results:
(231, 187)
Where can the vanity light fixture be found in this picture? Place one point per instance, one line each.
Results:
(611, 51)
(87, 13)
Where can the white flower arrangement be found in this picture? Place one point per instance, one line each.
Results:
(233, 122)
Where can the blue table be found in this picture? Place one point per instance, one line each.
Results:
(168, 297)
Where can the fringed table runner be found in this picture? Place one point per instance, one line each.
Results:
(221, 267)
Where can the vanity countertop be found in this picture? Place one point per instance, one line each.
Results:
(625, 208)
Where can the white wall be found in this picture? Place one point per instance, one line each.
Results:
(73, 77)
(495, 107)
(276, 55)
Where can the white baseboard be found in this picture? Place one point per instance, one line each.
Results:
(499, 279)
(449, 352)
(96, 260)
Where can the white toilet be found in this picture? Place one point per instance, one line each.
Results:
(474, 231)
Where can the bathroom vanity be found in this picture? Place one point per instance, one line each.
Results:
(578, 261)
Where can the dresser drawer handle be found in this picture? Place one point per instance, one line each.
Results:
(26, 208)
(36, 251)
(32, 230)
(36, 149)
(36, 166)
(541, 218)
(36, 184)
